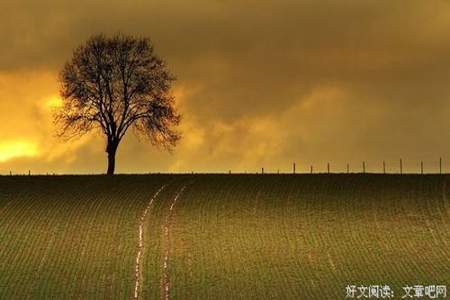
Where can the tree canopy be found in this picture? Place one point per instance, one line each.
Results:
(116, 83)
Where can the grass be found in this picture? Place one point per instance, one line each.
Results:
(230, 236)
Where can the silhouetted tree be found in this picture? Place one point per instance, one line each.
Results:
(113, 84)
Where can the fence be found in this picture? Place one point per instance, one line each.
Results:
(383, 168)
(399, 169)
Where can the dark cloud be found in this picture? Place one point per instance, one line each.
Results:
(259, 82)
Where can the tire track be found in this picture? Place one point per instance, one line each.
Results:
(141, 244)
(165, 284)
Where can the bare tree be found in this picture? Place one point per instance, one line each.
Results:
(113, 84)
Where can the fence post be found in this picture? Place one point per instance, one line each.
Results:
(384, 167)
(262, 170)
(293, 168)
(328, 168)
(348, 168)
(421, 167)
(311, 169)
(29, 172)
(440, 165)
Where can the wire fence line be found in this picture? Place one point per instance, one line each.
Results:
(384, 168)
(436, 168)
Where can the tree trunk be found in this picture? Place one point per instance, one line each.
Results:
(111, 149)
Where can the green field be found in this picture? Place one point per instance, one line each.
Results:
(223, 237)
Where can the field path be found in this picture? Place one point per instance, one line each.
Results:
(165, 284)
(138, 274)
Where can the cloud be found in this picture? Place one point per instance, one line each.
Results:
(260, 83)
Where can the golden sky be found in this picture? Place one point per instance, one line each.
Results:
(260, 83)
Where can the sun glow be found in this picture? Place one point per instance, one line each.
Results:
(10, 150)
(54, 102)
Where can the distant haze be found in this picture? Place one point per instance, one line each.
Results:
(260, 83)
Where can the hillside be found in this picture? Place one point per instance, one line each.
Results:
(221, 236)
